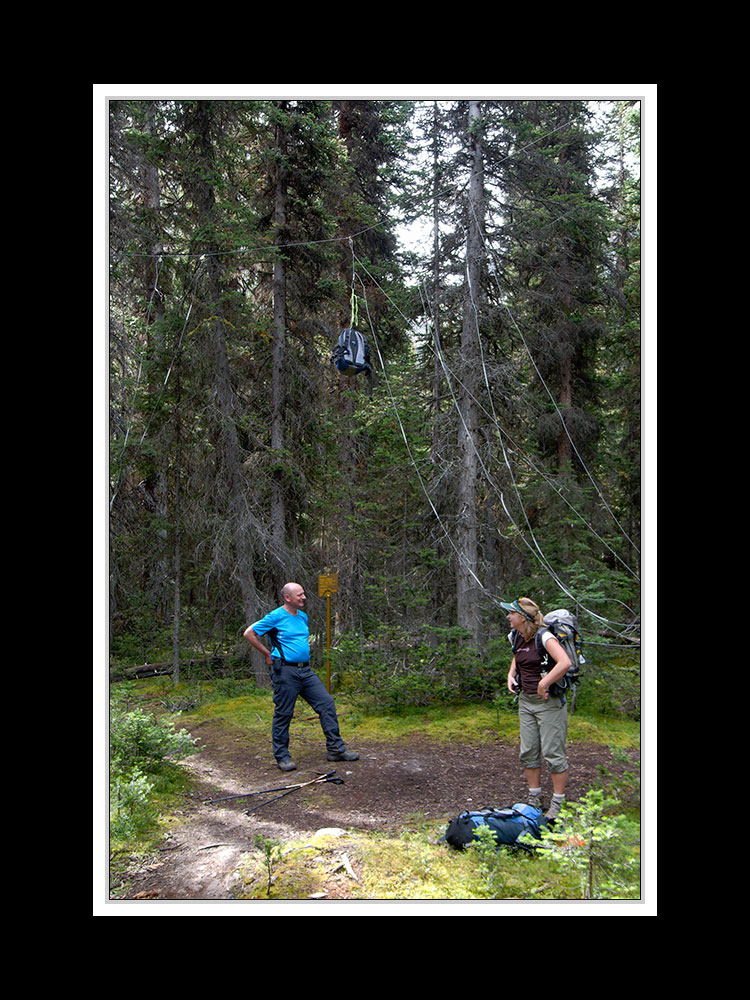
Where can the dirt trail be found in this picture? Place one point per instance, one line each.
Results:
(390, 785)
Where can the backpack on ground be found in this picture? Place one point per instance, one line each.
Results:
(352, 355)
(564, 627)
(518, 825)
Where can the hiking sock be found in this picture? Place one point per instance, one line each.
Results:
(535, 797)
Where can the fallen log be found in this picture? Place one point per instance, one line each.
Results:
(156, 669)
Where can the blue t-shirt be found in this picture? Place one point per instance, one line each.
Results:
(292, 634)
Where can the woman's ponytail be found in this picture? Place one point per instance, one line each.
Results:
(535, 617)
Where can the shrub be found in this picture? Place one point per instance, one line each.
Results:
(130, 812)
(601, 847)
(139, 743)
(435, 667)
(611, 689)
(138, 739)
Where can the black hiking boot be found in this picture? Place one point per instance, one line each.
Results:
(343, 755)
(286, 764)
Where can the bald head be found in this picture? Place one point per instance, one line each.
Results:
(293, 596)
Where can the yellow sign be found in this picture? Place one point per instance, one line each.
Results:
(328, 584)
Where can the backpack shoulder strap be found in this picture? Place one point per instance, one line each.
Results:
(273, 638)
(539, 637)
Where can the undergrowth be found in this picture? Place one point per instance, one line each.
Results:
(419, 865)
(239, 703)
(413, 864)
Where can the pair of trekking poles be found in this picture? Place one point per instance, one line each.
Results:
(320, 779)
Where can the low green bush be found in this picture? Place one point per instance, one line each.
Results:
(138, 738)
(394, 670)
(140, 748)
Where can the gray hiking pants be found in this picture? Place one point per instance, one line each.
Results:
(544, 730)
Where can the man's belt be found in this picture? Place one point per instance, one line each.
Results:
(292, 663)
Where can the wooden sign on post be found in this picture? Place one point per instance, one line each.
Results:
(328, 583)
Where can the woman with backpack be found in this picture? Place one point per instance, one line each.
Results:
(543, 720)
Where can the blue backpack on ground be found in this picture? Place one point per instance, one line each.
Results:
(506, 825)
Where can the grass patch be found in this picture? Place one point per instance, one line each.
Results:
(414, 866)
(239, 704)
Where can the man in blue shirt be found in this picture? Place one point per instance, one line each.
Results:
(291, 675)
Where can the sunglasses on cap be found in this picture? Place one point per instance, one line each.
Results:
(515, 606)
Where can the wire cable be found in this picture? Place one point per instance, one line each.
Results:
(537, 552)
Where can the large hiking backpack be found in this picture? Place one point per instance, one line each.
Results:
(508, 826)
(564, 627)
(352, 354)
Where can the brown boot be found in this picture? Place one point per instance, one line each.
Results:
(555, 806)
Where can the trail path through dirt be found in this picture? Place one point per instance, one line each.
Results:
(392, 785)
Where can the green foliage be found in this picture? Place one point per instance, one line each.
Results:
(271, 853)
(131, 811)
(138, 739)
(489, 860)
(394, 670)
(140, 746)
(601, 847)
(611, 688)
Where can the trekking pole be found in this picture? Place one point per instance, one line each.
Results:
(315, 781)
(245, 795)
(269, 801)
(281, 788)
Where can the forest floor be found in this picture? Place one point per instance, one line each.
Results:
(393, 785)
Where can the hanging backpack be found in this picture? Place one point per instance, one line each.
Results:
(352, 355)
(508, 826)
(564, 627)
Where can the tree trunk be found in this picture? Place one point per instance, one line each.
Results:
(467, 583)
(155, 481)
(437, 370)
(564, 447)
(278, 506)
(241, 521)
(177, 555)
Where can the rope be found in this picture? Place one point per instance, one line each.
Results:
(408, 446)
(489, 395)
(552, 398)
(239, 250)
(536, 549)
(449, 372)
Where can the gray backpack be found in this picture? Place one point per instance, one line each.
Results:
(564, 627)
(352, 355)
